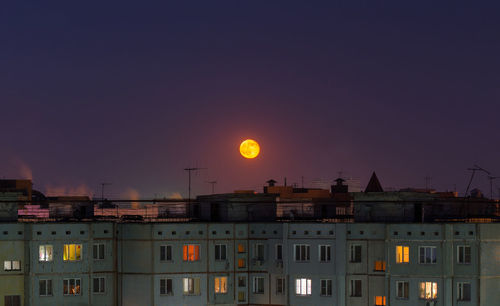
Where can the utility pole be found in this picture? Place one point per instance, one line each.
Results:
(189, 170)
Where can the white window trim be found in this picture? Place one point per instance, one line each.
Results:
(432, 248)
(458, 254)
(103, 279)
(46, 280)
(460, 292)
(255, 283)
(308, 247)
(220, 253)
(327, 246)
(407, 293)
(352, 258)
(166, 287)
(166, 246)
(103, 251)
(329, 280)
(45, 252)
(308, 286)
(353, 281)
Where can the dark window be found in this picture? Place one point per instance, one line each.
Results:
(279, 252)
(98, 251)
(220, 252)
(355, 253)
(356, 287)
(166, 286)
(99, 285)
(12, 300)
(165, 252)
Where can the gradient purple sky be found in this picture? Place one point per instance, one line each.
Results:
(133, 92)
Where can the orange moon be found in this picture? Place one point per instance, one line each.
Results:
(249, 148)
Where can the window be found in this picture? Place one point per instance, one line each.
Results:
(12, 300)
(302, 252)
(258, 251)
(428, 290)
(463, 291)
(166, 286)
(165, 253)
(379, 300)
(379, 265)
(402, 254)
(326, 287)
(303, 286)
(258, 285)
(45, 253)
(356, 287)
(324, 253)
(242, 280)
(45, 287)
(241, 248)
(191, 286)
(241, 296)
(280, 286)
(355, 253)
(220, 252)
(98, 251)
(221, 284)
(279, 252)
(99, 285)
(427, 255)
(12, 265)
(72, 252)
(71, 286)
(463, 256)
(191, 252)
(241, 263)
(402, 289)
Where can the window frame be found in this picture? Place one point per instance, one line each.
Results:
(278, 251)
(383, 300)
(97, 246)
(256, 250)
(256, 288)
(221, 280)
(101, 285)
(297, 252)
(168, 290)
(434, 295)
(464, 254)
(222, 250)
(353, 287)
(69, 252)
(46, 293)
(11, 265)
(405, 285)
(191, 282)
(433, 252)
(460, 291)
(328, 253)
(403, 260)
(164, 250)
(185, 252)
(326, 287)
(45, 252)
(353, 258)
(280, 286)
(300, 284)
(79, 280)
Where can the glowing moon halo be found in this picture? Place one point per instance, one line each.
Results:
(249, 148)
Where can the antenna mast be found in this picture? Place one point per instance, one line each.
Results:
(189, 170)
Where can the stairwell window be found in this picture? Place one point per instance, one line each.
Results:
(428, 290)
(464, 254)
(427, 255)
(72, 252)
(355, 255)
(45, 252)
(302, 252)
(191, 252)
(402, 254)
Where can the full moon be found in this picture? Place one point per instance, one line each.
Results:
(249, 148)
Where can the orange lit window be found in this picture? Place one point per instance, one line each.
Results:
(380, 301)
(241, 263)
(379, 265)
(241, 248)
(221, 285)
(191, 252)
(402, 254)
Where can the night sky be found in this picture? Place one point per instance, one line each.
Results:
(133, 92)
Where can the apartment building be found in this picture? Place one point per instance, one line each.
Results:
(270, 263)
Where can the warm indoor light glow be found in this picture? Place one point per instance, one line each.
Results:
(249, 148)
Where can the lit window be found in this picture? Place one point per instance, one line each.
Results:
(355, 253)
(165, 253)
(324, 253)
(279, 252)
(221, 284)
(464, 291)
(99, 285)
(45, 253)
(380, 301)
(71, 286)
(427, 255)
(258, 251)
(428, 290)
(166, 286)
(191, 252)
(302, 252)
(12, 265)
(402, 254)
(241, 263)
(464, 254)
(72, 252)
(191, 286)
(303, 286)
(241, 248)
(98, 251)
(356, 287)
(258, 285)
(280, 286)
(45, 287)
(402, 289)
(220, 252)
(326, 287)
(379, 265)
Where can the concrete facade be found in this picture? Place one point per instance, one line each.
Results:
(145, 263)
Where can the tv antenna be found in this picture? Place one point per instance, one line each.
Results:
(474, 169)
(491, 178)
(213, 183)
(189, 170)
(102, 190)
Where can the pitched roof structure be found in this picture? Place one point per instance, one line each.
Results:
(374, 184)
